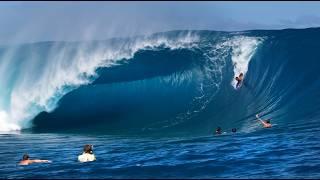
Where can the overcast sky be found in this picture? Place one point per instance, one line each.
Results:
(72, 21)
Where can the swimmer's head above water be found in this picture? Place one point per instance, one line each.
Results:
(218, 130)
(25, 157)
(88, 148)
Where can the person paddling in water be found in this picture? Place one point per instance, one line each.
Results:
(26, 160)
(218, 130)
(239, 79)
(265, 123)
(87, 154)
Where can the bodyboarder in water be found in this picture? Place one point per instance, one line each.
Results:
(218, 130)
(239, 79)
(265, 123)
(87, 154)
(26, 160)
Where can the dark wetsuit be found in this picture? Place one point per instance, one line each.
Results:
(239, 82)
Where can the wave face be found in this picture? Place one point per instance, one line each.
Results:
(179, 81)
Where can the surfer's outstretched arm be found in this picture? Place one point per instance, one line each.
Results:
(257, 116)
(262, 121)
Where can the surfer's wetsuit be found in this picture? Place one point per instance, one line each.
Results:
(239, 79)
(239, 82)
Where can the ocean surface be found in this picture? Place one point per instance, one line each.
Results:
(150, 106)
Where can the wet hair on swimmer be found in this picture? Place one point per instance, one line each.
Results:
(268, 121)
(218, 130)
(88, 148)
(25, 157)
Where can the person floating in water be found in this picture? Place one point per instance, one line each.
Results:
(218, 130)
(265, 123)
(26, 160)
(239, 80)
(234, 130)
(87, 154)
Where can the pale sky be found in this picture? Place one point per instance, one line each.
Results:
(72, 21)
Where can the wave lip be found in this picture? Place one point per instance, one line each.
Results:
(200, 67)
(179, 81)
(50, 70)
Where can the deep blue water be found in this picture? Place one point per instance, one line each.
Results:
(150, 105)
(267, 153)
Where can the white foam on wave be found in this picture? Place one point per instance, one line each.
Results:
(243, 48)
(6, 125)
(40, 83)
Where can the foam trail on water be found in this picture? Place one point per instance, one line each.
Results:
(243, 49)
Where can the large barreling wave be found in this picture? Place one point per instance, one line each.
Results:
(177, 81)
